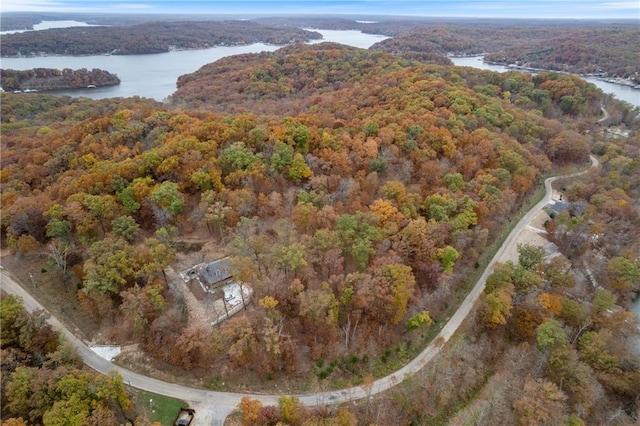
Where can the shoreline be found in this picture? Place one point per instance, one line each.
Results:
(611, 80)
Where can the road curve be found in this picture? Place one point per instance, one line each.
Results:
(223, 403)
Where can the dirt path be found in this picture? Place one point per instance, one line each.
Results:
(605, 115)
(214, 407)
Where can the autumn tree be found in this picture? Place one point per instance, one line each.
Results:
(542, 402)
(250, 409)
(623, 274)
(499, 291)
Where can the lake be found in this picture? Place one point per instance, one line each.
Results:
(155, 75)
(624, 93)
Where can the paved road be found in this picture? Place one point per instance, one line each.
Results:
(213, 407)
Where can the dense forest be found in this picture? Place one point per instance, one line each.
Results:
(355, 191)
(45, 382)
(143, 38)
(551, 341)
(40, 79)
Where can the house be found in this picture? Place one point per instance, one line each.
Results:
(206, 280)
(216, 273)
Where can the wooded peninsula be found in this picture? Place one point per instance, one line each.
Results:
(146, 38)
(43, 79)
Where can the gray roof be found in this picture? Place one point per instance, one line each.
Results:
(216, 271)
(558, 206)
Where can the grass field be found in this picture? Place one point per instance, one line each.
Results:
(157, 408)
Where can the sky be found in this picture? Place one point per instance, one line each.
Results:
(555, 9)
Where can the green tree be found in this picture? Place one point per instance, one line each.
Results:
(356, 234)
(420, 319)
(282, 156)
(73, 406)
(623, 274)
(593, 349)
(128, 200)
(57, 227)
(125, 226)
(550, 334)
(603, 300)
(291, 257)
(371, 129)
(530, 256)
(298, 134)
(202, 179)
(11, 309)
(169, 200)
(110, 266)
(299, 169)
(102, 207)
(18, 392)
(239, 157)
(448, 257)
(454, 181)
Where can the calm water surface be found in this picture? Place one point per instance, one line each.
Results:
(150, 76)
(155, 75)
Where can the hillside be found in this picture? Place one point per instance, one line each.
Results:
(339, 80)
(355, 191)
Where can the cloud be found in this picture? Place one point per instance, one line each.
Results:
(621, 5)
(28, 5)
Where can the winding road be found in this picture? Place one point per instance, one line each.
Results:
(213, 407)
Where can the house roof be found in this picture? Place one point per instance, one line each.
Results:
(558, 206)
(216, 271)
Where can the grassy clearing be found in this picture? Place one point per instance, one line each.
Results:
(157, 408)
